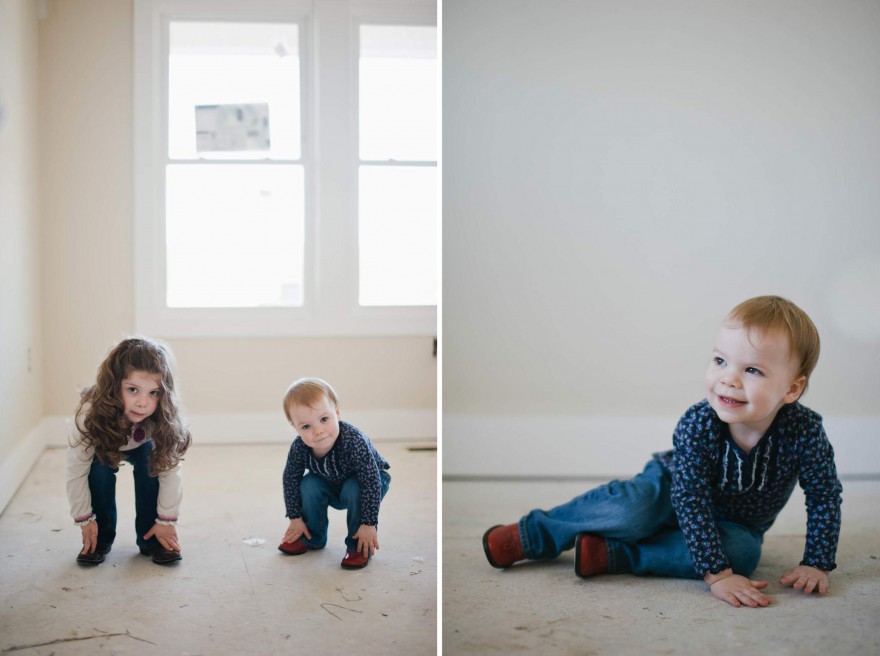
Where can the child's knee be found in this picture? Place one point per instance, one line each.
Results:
(644, 521)
(98, 468)
(350, 495)
(744, 562)
(744, 552)
(642, 524)
(314, 495)
(310, 488)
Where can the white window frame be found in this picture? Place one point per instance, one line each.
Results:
(379, 17)
(329, 90)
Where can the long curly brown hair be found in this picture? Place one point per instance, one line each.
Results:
(100, 417)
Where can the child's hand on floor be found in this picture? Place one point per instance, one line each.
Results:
(167, 536)
(90, 536)
(296, 530)
(737, 590)
(806, 578)
(368, 540)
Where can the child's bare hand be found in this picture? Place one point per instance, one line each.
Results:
(806, 578)
(737, 590)
(167, 536)
(368, 540)
(296, 530)
(90, 536)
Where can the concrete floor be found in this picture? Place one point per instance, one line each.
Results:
(224, 597)
(544, 608)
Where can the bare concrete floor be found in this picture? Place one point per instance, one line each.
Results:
(544, 608)
(225, 596)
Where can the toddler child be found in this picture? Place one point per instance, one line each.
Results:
(701, 509)
(344, 471)
(130, 413)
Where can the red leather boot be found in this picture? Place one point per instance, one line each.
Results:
(590, 555)
(503, 546)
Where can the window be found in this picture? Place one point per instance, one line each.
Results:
(397, 180)
(251, 215)
(234, 181)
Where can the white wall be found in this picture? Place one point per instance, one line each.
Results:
(616, 177)
(21, 394)
(66, 272)
(86, 81)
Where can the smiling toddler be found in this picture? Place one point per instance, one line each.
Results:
(345, 471)
(701, 509)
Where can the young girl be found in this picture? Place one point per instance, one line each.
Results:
(129, 414)
(701, 510)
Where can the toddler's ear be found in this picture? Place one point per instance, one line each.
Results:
(796, 389)
(338, 416)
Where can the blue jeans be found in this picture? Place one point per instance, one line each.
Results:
(640, 528)
(102, 485)
(318, 493)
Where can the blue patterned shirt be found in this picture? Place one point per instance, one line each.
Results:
(353, 454)
(714, 479)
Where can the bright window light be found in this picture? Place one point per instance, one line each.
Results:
(397, 199)
(398, 93)
(235, 235)
(234, 64)
(286, 168)
(398, 235)
(234, 231)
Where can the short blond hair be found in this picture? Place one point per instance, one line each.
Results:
(308, 391)
(777, 314)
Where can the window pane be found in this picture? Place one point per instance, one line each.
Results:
(235, 235)
(230, 66)
(398, 235)
(398, 92)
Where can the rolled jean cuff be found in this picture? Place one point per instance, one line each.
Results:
(524, 540)
(611, 550)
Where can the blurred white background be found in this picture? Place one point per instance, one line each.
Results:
(617, 176)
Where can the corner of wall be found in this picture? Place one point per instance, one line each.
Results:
(15, 468)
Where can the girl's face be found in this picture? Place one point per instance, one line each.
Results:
(317, 425)
(140, 395)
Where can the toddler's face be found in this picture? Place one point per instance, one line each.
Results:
(140, 395)
(750, 377)
(317, 425)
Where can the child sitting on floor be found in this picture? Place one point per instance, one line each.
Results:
(701, 509)
(345, 471)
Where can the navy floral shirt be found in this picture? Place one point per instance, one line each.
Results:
(714, 479)
(353, 454)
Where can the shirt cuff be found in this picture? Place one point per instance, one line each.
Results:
(85, 519)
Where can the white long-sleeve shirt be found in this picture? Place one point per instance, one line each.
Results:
(79, 462)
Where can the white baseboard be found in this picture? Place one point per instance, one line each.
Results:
(380, 425)
(476, 445)
(15, 468)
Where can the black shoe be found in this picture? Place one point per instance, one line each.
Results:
(161, 555)
(94, 558)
